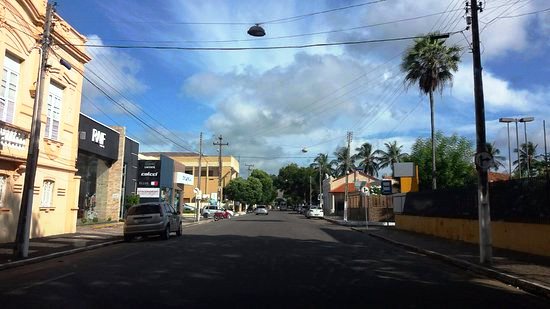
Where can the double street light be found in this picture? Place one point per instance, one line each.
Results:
(508, 120)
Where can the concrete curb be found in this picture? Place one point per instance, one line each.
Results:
(56, 255)
(526, 285)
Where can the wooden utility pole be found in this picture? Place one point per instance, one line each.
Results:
(220, 144)
(21, 249)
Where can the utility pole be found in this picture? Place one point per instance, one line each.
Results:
(320, 186)
(484, 215)
(23, 225)
(199, 197)
(349, 136)
(310, 202)
(250, 167)
(220, 167)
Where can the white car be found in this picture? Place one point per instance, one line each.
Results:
(314, 212)
(209, 211)
(261, 210)
(231, 212)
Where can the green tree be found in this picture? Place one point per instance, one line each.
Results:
(339, 163)
(236, 190)
(527, 154)
(392, 154)
(294, 181)
(322, 164)
(268, 191)
(430, 63)
(366, 159)
(454, 161)
(497, 158)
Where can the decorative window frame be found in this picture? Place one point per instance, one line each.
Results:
(53, 112)
(9, 79)
(48, 189)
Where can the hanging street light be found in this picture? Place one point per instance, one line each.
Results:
(256, 30)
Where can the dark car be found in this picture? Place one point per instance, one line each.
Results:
(152, 219)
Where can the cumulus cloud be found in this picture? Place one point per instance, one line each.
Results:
(115, 73)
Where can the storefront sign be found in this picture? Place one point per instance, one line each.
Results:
(148, 173)
(98, 137)
(183, 178)
(148, 192)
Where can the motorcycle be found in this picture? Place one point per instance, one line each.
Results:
(218, 215)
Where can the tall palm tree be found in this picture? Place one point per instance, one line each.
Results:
(392, 154)
(339, 164)
(527, 154)
(430, 63)
(497, 158)
(322, 164)
(366, 157)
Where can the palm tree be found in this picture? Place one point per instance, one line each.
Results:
(527, 154)
(321, 164)
(497, 158)
(430, 63)
(393, 154)
(366, 157)
(339, 164)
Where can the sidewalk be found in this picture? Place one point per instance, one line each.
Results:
(87, 237)
(528, 272)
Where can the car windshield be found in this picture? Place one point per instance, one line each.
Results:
(261, 206)
(144, 209)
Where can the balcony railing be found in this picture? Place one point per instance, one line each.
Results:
(13, 137)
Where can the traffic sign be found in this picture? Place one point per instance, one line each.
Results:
(365, 191)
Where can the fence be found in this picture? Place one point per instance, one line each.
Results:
(380, 207)
(520, 200)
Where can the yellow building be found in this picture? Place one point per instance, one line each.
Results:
(209, 174)
(56, 184)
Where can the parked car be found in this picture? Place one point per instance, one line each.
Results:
(314, 212)
(261, 210)
(209, 211)
(188, 207)
(152, 219)
(304, 209)
(299, 209)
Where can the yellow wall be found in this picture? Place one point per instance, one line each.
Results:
(20, 28)
(523, 237)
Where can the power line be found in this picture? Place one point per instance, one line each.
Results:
(253, 48)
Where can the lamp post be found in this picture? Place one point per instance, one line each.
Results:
(507, 121)
(525, 120)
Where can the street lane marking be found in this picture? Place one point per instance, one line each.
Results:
(19, 290)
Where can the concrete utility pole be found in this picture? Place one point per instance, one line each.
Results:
(25, 213)
(199, 197)
(220, 168)
(484, 215)
(250, 167)
(349, 136)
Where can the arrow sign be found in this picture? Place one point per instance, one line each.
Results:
(365, 191)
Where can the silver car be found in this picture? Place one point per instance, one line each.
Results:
(261, 210)
(152, 219)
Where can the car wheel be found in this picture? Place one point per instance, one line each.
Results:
(180, 230)
(166, 234)
(127, 238)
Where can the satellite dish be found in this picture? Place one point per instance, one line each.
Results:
(304, 150)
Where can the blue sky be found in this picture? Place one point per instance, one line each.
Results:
(270, 104)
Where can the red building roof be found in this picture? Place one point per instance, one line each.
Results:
(342, 188)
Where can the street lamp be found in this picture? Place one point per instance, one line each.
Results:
(256, 30)
(507, 121)
(525, 120)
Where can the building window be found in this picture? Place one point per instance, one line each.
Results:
(189, 170)
(3, 181)
(8, 89)
(55, 96)
(47, 193)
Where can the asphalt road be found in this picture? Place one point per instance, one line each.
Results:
(281, 260)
